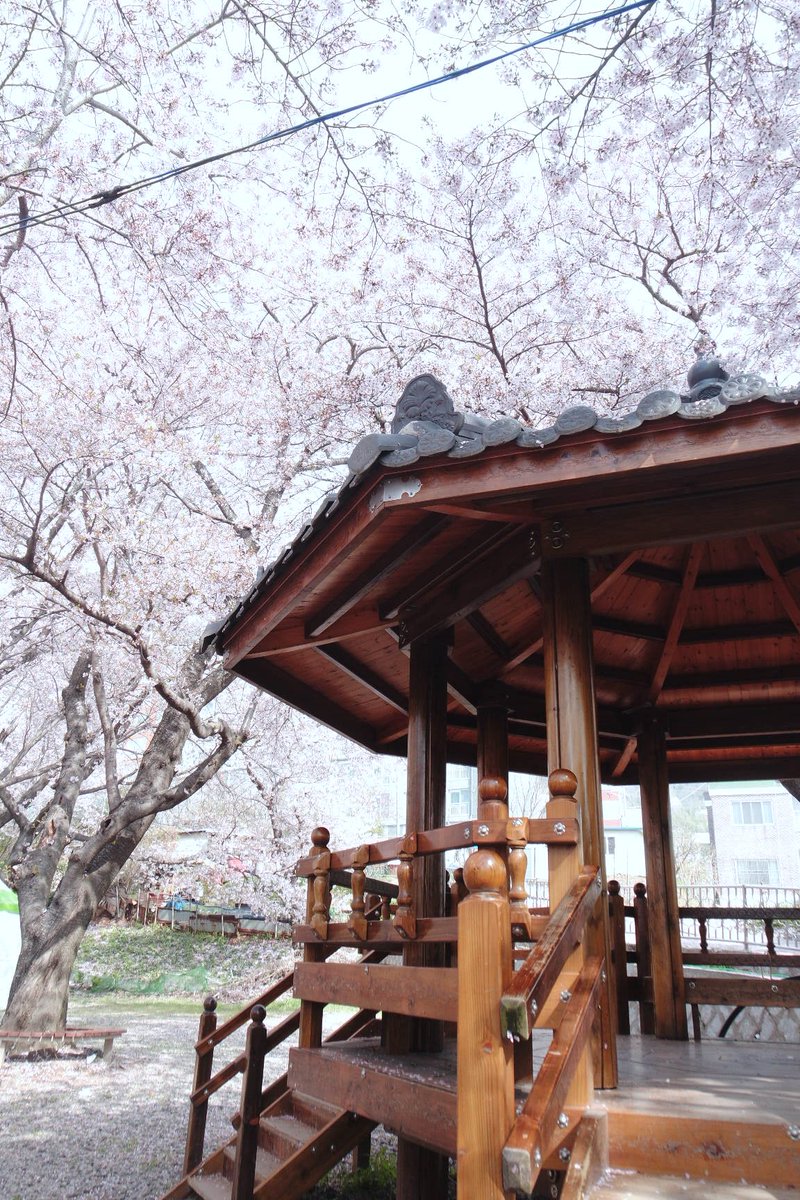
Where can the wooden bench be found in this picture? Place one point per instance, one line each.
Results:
(62, 1036)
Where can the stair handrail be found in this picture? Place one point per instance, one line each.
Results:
(543, 1112)
(533, 980)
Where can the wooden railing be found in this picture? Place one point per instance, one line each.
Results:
(730, 989)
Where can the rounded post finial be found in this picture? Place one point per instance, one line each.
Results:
(492, 789)
(640, 890)
(258, 1014)
(562, 783)
(210, 1004)
(613, 887)
(320, 837)
(485, 871)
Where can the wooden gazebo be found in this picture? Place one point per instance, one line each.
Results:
(607, 598)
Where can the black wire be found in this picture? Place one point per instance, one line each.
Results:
(108, 196)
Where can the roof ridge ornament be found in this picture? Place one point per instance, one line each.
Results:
(425, 398)
(706, 378)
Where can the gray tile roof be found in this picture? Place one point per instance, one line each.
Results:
(426, 424)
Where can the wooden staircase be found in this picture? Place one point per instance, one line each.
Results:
(299, 1140)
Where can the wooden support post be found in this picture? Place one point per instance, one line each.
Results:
(244, 1170)
(616, 913)
(643, 968)
(196, 1134)
(421, 1173)
(316, 904)
(485, 1061)
(572, 743)
(669, 996)
(493, 744)
(563, 865)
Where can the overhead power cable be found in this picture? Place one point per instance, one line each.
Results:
(109, 195)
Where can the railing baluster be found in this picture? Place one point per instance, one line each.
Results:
(250, 1110)
(616, 910)
(701, 921)
(196, 1134)
(646, 1014)
(320, 885)
(517, 870)
(357, 923)
(405, 921)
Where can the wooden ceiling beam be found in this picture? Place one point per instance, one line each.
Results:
(292, 635)
(456, 565)
(489, 575)
(488, 634)
(676, 519)
(402, 552)
(771, 569)
(306, 699)
(364, 676)
(679, 611)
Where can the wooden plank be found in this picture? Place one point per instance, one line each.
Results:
(713, 1149)
(412, 991)
(486, 631)
(464, 562)
(589, 1156)
(377, 572)
(362, 674)
(395, 1092)
(536, 1124)
(462, 595)
(533, 981)
(766, 560)
(291, 634)
(733, 990)
(677, 519)
(340, 537)
(305, 699)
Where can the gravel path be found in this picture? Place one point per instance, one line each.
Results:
(77, 1129)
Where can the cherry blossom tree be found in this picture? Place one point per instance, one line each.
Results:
(183, 370)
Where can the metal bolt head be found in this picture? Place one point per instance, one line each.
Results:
(563, 1120)
(564, 1154)
(517, 822)
(603, 975)
(559, 828)
(534, 1008)
(483, 830)
(467, 831)
(566, 995)
(794, 1132)
(537, 1157)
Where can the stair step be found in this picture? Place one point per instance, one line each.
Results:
(211, 1187)
(284, 1133)
(626, 1185)
(266, 1163)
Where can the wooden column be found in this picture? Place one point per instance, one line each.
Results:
(422, 1174)
(493, 742)
(572, 744)
(666, 963)
(485, 1067)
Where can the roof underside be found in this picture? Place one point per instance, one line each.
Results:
(692, 531)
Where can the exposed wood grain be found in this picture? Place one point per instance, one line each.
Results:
(377, 572)
(364, 676)
(532, 982)
(485, 1061)
(413, 991)
(662, 894)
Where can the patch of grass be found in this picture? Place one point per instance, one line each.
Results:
(154, 961)
(377, 1181)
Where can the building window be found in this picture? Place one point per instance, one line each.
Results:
(460, 804)
(757, 872)
(611, 844)
(752, 812)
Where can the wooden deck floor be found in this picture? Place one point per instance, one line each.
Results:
(743, 1081)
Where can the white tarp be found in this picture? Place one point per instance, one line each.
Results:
(9, 939)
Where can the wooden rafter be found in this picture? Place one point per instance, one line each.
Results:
(768, 564)
(677, 620)
(600, 587)
(363, 675)
(376, 573)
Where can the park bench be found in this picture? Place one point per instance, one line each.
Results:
(47, 1038)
